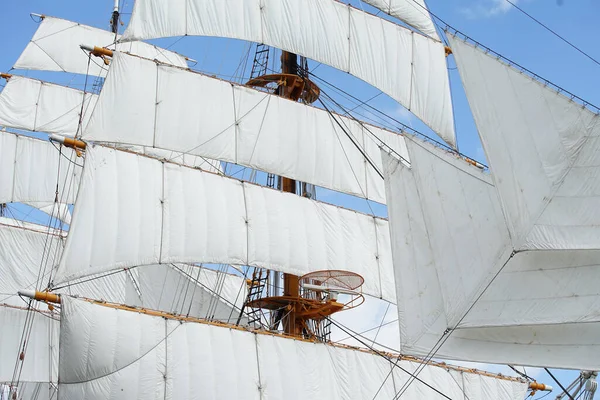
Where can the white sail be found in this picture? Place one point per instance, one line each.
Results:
(133, 210)
(40, 362)
(116, 354)
(55, 47)
(30, 170)
(39, 106)
(457, 270)
(23, 248)
(409, 67)
(412, 12)
(146, 104)
(543, 148)
(55, 210)
(191, 290)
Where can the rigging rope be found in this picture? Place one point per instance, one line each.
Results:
(552, 31)
(348, 331)
(559, 384)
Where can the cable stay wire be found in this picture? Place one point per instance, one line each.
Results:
(348, 331)
(448, 27)
(448, 332)
(559, 384)
(552, 31)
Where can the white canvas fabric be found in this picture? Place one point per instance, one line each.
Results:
(21, 248)
(412, 12)
(116, 354)
(134, 210)
(29, 390)
(55, 47)
(24, 248)
(409, 67)
(460, 279)
(543, 148)
(41, 358)
(191, 290)
(189, 160)
(39, 106)
(152, 105)
(30, 170)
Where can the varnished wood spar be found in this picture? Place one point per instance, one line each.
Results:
(97, 51)
(291, 283)
(5, 76)
(162, 314)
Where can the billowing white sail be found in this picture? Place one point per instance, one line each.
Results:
(149, 104)
(31, 169)
(116, 354)
(133, 210)
(458, 270)
(191, 290)
(55, 47)
(39, 106)
(543, 148)
(412, 12)
(409, 67)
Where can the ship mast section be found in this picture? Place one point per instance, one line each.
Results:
(305, 303)
(291, 326)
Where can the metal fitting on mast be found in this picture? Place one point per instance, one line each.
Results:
(101, 52)
(114, 19)
(47, 297)
(77, 145)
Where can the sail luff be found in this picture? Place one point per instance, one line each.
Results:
(366, 46)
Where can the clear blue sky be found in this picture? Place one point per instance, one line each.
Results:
(491, 22)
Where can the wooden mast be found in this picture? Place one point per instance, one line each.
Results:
(291, 284)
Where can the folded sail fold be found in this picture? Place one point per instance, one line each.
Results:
(55, 47)
(127, 355)
(134, 210)
(412, 12)
(152, 105)
(409, 67)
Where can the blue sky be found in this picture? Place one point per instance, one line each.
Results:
(492, 22)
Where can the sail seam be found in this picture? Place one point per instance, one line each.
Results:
(260, 387)
(14, 171)
(128, 364)
(162, 217)
(246, 222)
(155, 106)
(37, 105)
